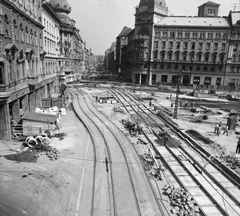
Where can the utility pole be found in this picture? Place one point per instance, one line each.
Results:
(177, 94)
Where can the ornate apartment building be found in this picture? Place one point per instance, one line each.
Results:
(204, 49)
(40, 48)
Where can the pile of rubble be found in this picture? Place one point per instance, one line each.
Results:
(40, 143)
(183, 203)
(118, 109)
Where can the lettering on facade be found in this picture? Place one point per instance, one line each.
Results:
(52, 127)
(144, 20)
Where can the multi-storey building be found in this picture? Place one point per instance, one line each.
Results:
(70, 43)
(21, 51)
(232, 75)
(203, 49)
(39, 45)
(53, 60)
(121, 41)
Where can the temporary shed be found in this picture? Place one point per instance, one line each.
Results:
(35, 123)
(232, 122)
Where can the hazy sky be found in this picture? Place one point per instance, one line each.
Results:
(100, 21)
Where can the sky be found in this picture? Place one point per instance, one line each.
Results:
(100, 21)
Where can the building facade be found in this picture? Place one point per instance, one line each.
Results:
(203, 49)
(40, 50)
(71, 46)
(21, 36)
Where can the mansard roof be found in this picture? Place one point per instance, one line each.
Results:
(194, 21)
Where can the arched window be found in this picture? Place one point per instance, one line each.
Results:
(176, 56)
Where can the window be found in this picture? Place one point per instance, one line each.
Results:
(172, 34)
(177, 45)
(163, 55)
(223, 47)
(215, 46)
(170, 45)
(202, 35)
(195, 34)
(218, 81)
(205, 68)
(221, 57)
(206, 57)
(196, 80)
(165, 34)
(157, 33)
(198, 68)
(187, 35)
(218, 36)
(163, 44)
(200, 46)
(210, 35)
(225, 36)
(164, 78)
(177, 56)
(162, 66)
(193, 46)
(214, 58)
(208, 46)
(155, 44)
(176, 67)
(179, 34)
(169, 67)
(185, 45)
(207, 81)
(199, 57)
(154, 66)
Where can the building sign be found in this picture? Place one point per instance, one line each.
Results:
(144, 20)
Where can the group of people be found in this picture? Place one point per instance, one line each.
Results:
(218, 128)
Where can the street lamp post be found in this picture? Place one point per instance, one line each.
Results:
(177, 95)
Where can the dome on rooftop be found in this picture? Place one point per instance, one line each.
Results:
(60, 6)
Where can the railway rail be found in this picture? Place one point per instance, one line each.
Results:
(216, 192)
(110, 147)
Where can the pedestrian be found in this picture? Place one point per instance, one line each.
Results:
(171, 104)
(219, 128)
(150, 103)
(170, 97)
(225, 130)
(216, 129)
(238, 146)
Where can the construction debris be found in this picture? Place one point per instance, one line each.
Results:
(118, 109)
(40, 143)
(183, 203)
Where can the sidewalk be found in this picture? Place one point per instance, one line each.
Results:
(10, 147)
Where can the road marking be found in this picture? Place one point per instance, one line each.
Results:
(81, 183)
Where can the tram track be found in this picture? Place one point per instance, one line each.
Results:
(225, 204)
(117, 158)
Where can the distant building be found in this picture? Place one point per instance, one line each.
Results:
(204, 48)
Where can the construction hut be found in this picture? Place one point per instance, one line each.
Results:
(232, 121)
(35, 123)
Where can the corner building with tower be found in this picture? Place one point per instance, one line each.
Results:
(204, 49)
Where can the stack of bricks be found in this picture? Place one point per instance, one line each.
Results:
(182, 202)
